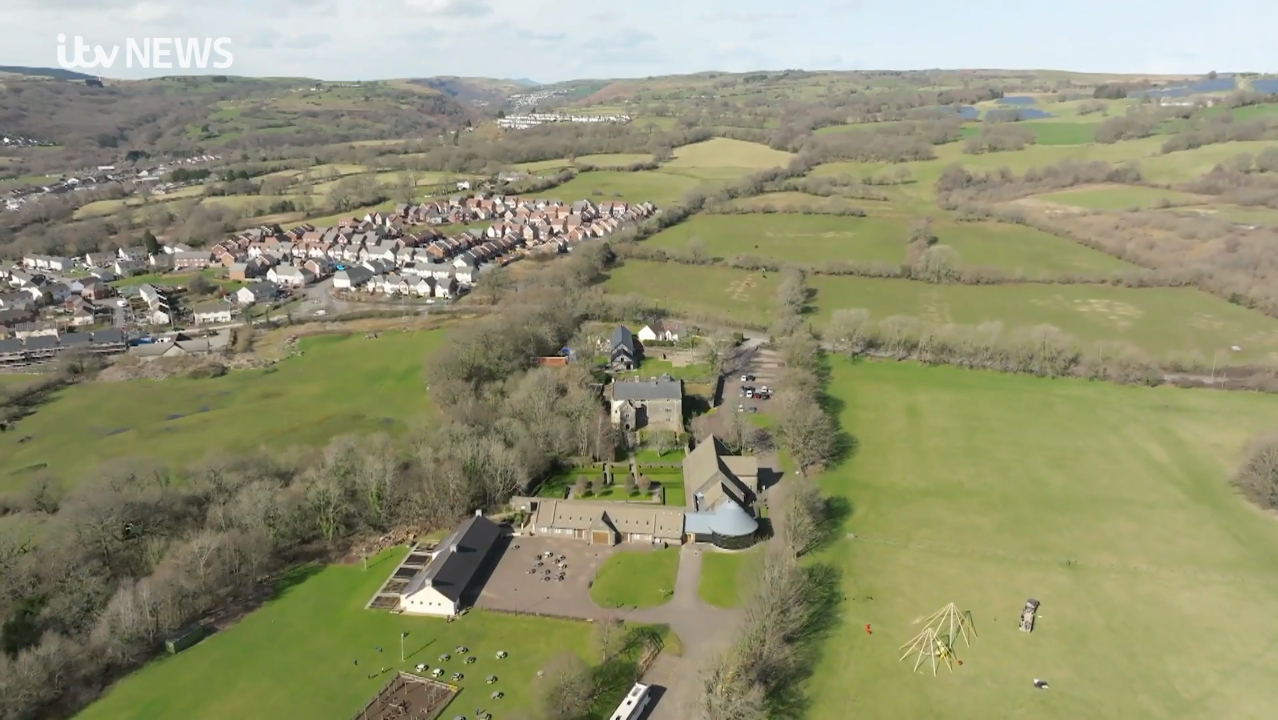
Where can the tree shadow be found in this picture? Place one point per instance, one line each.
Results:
(292, 578)
(788, 699)
(838, 510)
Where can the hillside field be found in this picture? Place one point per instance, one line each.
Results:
(340, 384)
(813, 239)
(1119, 197)
(1159, 585)
(1160, 321)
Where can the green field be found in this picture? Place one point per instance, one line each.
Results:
(788, 237)
(1233, 213)
(614, 159)
(1159, 585)
(296, 656)
(1155, 167)
(722, 577)
(812, 239)
(1158, 320)
(724, 158)
(1025, 250)
(659, 187)
(340, 384)
(1119, 197)
(1048, 132)
(636, 579)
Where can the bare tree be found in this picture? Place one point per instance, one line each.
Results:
(804, 515)
(847, 330)
(566, 687)
(1257, 476)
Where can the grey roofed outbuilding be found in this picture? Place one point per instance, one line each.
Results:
(454, 567)
(729, 520)
(662, 388)
(73, 339)
(42, 342)
(108, 337)
(12, 345)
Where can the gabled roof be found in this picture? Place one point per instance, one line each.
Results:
(459, 558)
(624, 339)
(706, 473)
(662, 388)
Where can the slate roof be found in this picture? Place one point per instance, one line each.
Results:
(108, 337)
(453, 569)
(624, 339)
(662, 388)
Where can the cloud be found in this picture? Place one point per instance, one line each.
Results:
(451, 8)
(308, 40)
(262, 40)
(150, 13)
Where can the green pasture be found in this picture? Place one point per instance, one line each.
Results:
(1110, 505)
(338, 385)
(636, 578)
(813, 239)
(738, 156)
(659, 187)
(310, 653)
(1160, 321)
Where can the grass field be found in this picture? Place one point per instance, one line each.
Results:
(1233, 213)
(721, 577)
(636, 579)
(1167, 606)
(1155, 167)
(817, 238)
(1158, 320)
(817, 203)
(295, 657)
(652, 367)
(1119, 197)
(1048, 132)
(719, 158)
(659, 187)
(299, 402)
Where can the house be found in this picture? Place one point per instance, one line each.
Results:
(244, 271)
(213, 312)
(446, 287)
(161, 262)
(126, 267)
(447, 582)
(655, 404)
(262, 291)
(657, 331)
(711, 476)
(106, 275)
(132, 253)
(351, 277)
(623, 352)
(290, 276)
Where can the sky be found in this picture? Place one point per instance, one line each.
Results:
(554, 40)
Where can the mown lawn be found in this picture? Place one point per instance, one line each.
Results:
(1111, 505)
(722, 577)
(296, 657)
(636, 578)
(651, 368)
(340, 384)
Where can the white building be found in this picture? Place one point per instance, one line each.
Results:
(440, 587)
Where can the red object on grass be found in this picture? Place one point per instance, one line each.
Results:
(867, 629)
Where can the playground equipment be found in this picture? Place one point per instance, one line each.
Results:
(1028, 614)
(935, 643)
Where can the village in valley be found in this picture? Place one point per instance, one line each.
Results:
(399, 254)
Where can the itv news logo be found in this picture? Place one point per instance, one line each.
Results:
(148, 54)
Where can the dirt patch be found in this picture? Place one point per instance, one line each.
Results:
(739, 290)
